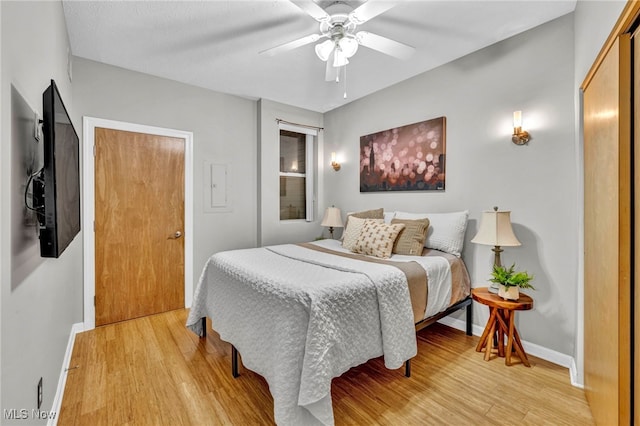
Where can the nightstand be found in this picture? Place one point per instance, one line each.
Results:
(501, 322)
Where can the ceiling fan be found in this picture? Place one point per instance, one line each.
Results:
(338, 24)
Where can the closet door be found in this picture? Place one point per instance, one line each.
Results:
(636, 176)
(607, 237)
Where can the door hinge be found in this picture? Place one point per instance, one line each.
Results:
(94, 150)
(94, 226)
(94, 301)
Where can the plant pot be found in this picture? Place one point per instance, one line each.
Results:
(509, 293)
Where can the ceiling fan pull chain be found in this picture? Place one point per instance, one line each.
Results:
(345, 82)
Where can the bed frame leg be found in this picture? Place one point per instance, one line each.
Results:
(204, 326)
(407, 368)
(470, 319)
(234, 362)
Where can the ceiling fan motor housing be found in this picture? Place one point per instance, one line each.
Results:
(338, 19)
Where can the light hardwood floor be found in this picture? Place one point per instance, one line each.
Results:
(153, 370)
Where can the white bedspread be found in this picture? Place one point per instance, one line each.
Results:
(438, 275)
(300, 317)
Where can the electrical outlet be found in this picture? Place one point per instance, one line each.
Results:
(39, 393)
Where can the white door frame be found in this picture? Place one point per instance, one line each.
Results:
(88, 206)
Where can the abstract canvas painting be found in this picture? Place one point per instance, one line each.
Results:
(407, 158)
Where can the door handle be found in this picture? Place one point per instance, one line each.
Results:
(175, 236)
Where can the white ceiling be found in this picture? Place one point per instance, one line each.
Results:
(215, 44)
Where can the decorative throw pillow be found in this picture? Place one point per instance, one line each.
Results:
(446, 230)
(377, 238)
(411, 238)
(352, 231)
(365, 214)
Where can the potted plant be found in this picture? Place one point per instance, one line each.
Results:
(510, 281)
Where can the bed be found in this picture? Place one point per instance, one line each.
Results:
(302, 314)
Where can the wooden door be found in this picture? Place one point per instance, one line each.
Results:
(607, 237)
(139, 224)
(636, 174)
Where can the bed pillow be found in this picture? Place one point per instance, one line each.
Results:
(446, 230)
(352, 231)
(411, 239)
(365, 214)
(377, 238)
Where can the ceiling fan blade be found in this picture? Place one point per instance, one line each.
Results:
(291, 45)
(312, 9)
(369, 10)
(331, 72)
(384, 45)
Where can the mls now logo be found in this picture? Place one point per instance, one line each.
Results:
(23, 414)
(42, 414)
(16, 414)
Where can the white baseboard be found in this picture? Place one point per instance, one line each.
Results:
(530, 348)
(573, 372)
(57, 400)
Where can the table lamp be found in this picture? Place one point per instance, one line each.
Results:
(332, 218)
(495, 230)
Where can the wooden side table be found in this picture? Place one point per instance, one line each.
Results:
(502, 322)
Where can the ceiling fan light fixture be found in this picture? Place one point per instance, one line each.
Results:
(324, 49)
(348, 45)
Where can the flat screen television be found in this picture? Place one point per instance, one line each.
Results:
(56, 191)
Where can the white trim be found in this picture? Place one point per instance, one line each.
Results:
(297, 129)
(62, 380)
(573, 373)
(530, 348)
(309, 183)
(88, 184)
(579, 148)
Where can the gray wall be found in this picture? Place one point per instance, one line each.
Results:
(532, 72)
(593, 21)
(224, 131)
(43, 301)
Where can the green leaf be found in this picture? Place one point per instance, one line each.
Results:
(510, 277)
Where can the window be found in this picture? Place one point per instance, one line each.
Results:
(296, 173)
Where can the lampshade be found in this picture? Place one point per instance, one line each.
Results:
(495, 229)
(517, 119)
(324, 49)
(332, 217)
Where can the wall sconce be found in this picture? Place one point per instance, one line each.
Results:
(520, 137)
(334, 163)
